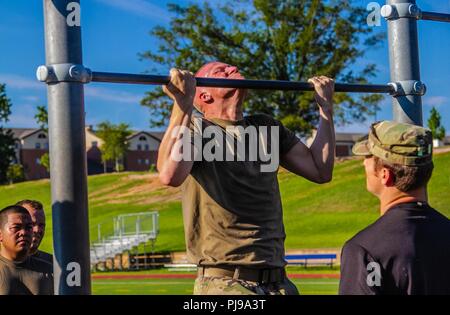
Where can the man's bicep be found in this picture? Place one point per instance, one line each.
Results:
(299, 161)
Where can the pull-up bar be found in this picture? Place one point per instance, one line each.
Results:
(242, 84)
(405, 9)
(77, 73)
(433, 16)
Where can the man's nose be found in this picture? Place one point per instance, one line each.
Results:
(24, 232)
(231, 69)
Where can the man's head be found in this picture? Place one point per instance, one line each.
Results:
(37, 214)
(15, 233)
(398, 157)
(213, 99)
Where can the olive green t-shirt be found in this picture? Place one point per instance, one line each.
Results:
(231, 209)
(31, 277)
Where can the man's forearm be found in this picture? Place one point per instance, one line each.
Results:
(179, 120)
(323, 147)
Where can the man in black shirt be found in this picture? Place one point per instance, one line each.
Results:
(407, 250)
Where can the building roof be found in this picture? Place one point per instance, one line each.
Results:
(348, 137)
(447, 140)
(154, 134)
(21, 133)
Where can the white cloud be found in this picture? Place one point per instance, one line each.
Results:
(435, 100)
(30, 98)
(18, 82)
(139, 7)
(112, 95)
(22, 116)
(22, 83)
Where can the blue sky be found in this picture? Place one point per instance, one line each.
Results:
(115, 31)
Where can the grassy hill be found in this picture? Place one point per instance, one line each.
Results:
(315, 216)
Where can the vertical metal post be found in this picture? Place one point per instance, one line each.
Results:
(404, 64)
(138, 225)
(67, 154)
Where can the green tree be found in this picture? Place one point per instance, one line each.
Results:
(42, 117)
(42, 120)
(115, 142)
(276, 40)
(7, 140)
(434, 123)
(45, 161)
(15, 173)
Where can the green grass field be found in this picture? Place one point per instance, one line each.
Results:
(185, 286)
(182, 286)
(315, 216)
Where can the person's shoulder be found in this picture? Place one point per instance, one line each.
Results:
(369, 235)
(440, 216)
(44, 256)
(440, 223)
(262, 120)
(40, 265)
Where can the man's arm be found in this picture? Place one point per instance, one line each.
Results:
(181, 89)
(316, 163)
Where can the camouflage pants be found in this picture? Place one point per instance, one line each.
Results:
(230, 286)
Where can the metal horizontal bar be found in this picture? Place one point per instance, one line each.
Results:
(433, 16)
(242, 84)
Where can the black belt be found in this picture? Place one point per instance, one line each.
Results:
(265, 275)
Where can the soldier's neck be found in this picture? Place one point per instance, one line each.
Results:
(391, 197)
(11, 256)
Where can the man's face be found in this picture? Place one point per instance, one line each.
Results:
(373, 181)
(38, 221)
(16, 235)
(219, 70)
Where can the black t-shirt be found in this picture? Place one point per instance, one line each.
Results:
(44, 256)
(406, 251)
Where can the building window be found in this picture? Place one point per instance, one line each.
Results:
(142, 138)
(94, 144)
(42, 136)
(139, 147)
(139, 161)
(46, 145)
(37, 145)
(147, 147)
(147, 161)
(38, 161)
(16, 145)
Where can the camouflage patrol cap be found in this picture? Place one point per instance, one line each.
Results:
(397, 143)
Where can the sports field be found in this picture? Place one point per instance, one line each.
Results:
(313, 282)
(315, 216)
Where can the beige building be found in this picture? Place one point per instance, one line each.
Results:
(31, 144)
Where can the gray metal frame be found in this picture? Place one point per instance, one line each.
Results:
(404, 63)
(65, 75)
(67, 156)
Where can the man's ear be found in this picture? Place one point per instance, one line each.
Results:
(206, 97)
(387, 177)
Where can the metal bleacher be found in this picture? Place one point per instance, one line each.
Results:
(126, 232)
